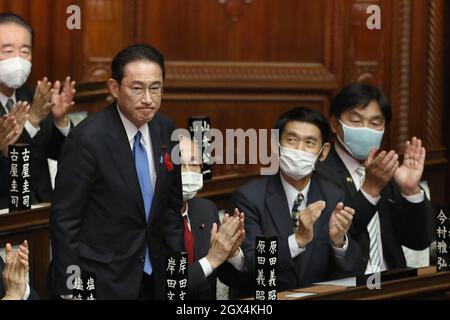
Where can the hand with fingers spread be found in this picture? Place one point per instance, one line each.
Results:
(8, 130)
(41, 105)
(340, 222)
(379, 170)
(223, 241)
(21, 113)
(16, 268)
(306, 220)
(62, 101)
(238, 215)
(410, 172)
(11, 126)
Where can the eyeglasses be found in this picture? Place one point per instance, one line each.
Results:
(139, 91)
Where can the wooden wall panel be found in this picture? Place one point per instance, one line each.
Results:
(244, 62)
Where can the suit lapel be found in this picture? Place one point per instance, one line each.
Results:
(197, 218)
(277, 205)
(335, 162)
(315, 194)
(119, 147)
(157, 146)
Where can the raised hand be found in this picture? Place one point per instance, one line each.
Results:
(21, 113)
(8, 130)
(410, 172)
(41, 105)
(306, 220)
(11, 126)
(222, 241)
(238, 215)
(379, 170)
(340, 221)
(16, 268)
(62, 101)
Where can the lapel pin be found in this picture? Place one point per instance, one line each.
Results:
(349, 180)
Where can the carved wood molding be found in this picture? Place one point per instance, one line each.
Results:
(402, 81)
(97, 69)
(435, 65)
(236, 73)
(324, 75)
(235, 8)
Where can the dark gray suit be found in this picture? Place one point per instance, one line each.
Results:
(401, 222)
(98, 220)
(267, 213)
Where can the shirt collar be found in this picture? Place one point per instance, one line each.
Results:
(131, 129)
(292, 193)
(185, 213)
(350, 163)
(4, 99)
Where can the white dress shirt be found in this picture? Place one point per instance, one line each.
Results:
(352, 165)
(291, 194)
(146, 140)
(237, 262)
(32, 131)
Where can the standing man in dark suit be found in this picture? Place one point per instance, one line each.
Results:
(213, 251)
(391, 209)
(116, 210)
(304, 211)
(47, 124)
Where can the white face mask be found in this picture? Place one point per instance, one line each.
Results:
(192, 183)
(14, 72)
(297, 164)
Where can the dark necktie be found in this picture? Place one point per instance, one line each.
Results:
(9, 105)
(188, 241)
(296, 210)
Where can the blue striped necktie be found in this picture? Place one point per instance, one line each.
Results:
(145, 181)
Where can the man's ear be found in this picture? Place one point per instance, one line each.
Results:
(113, 86)
(334, 124)
(325, 151)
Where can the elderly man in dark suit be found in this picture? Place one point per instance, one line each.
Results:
(116, 209)
(213, 249)
(306, 212)
(46, 124)
(391, 208)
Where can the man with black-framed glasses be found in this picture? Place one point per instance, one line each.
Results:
(116, 210)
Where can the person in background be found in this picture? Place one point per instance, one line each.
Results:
(391, 208)
(307, 213)
(47, 123)
(213, 249)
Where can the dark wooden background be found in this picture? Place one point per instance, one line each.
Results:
(244, 62)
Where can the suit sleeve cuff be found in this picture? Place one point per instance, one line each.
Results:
(340, 252)
(415, 198)
(32, 131)
(64, 131)
(26, 295)
(372, 200)
(238, 261)
(206, 267)
(293, 246)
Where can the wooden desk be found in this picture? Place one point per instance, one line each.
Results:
(427, 285)
(32, 225)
